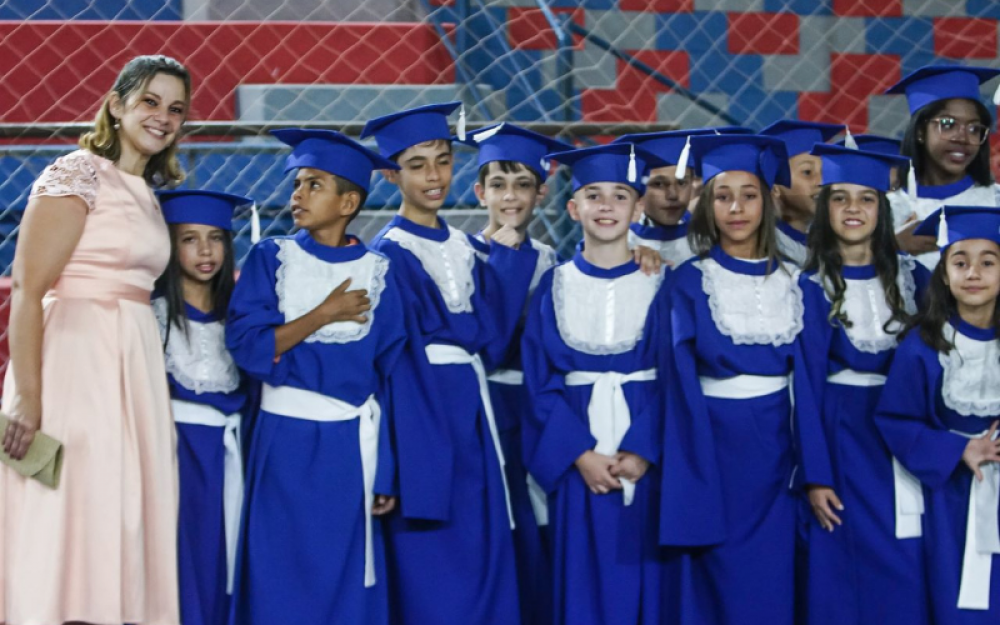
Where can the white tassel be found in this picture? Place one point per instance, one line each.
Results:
(942, 237)
(460, 131)
(996, 96)
(479, 137)
(849, 141)
(254, 224)
(682, 162)
(911, 184)
(632, 174)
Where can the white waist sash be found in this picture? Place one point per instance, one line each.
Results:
(511, 377)
(608, 411)
(982, 536)
(297, 403)
(192, 413)
(441, 354)
(850, 377)
(909, 494)
(742, 386)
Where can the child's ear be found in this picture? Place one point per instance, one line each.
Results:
(478, 188)
(543, 190)
(349, 203)
(639, 209)
(115, 105)
(392, 175)
(571, 208)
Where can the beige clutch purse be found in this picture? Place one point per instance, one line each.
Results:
(43, 462)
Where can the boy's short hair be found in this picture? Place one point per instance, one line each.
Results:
(395, 157)
(343, 185)
(509, 167)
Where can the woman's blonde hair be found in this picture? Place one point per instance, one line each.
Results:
(163, 169)
(703, 233)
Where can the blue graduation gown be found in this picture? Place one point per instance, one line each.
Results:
(728, 463)
(302, 551)
(670, 241)
(861, 572)
(792, 244)
(451, 555)
(512, 405)
(606, 558)
(200, 371)
(929, 401)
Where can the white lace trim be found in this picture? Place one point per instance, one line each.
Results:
(791, 249)
(199, 360)
(868, 311)
(304, 281)
(72, 174)
(971, 381)
(547, 259)
(753, 310)
(602, 316)
(450, 264)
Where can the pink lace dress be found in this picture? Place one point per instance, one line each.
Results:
(101, 548)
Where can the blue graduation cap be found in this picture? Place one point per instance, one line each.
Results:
(876, 143)
(951, 224)
(933, 83)
(800, 137)
(763, 156)
(669, 146)
(869, 169)
(333, 153)
(508, 142)
(398, 131)
(615, 162)
(195, 206)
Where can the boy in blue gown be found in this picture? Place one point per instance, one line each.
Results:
(317, 317)
(450, 549)
(593, 344)
(512, 173)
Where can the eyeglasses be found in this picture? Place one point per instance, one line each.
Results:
(951, 128)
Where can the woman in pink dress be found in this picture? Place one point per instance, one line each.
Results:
(87, 368)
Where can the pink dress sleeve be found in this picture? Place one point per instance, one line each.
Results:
(72, 174)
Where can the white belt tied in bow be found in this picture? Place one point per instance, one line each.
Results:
(510, 377)
(441, 354)
(608, 411)
(982, 536)
(299, 403)
(742, 386)
(192, 413)
(909, 495)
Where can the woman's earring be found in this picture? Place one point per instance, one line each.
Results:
(118, 125)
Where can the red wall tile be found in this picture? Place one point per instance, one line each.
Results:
(657, 6)
(674, 65)
(527, 29)
(763, 33)
(600, 105)
(868, 8)
(965, 38)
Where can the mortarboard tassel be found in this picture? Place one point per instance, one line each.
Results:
(942, 237)
(254, 223)
(996, 96)
(479, 137)
(911, 183)
(460, 131)
(632, 175)
(682, 162)
(849, 141)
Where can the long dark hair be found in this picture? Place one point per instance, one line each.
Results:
(979, 168)
(703, 234)
(941, 307)
(170, 285)
(163, 169)
(825, 259)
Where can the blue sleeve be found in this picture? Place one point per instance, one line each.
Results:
(506, 279)
(692, 511)
(554, 437)
(921, 279)
(392, 341)
(424, 460)
(906, 419)
(811, 365)
(645, 435)
(253, 316)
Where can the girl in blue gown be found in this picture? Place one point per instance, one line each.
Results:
(207, 396)
(939, 413)
(864, 559)
(728, 453)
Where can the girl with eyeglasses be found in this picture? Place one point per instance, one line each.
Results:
(947, 142)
